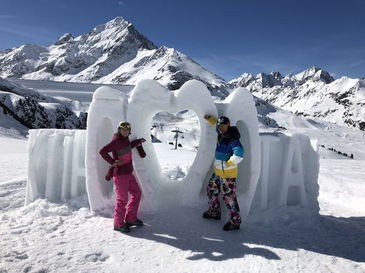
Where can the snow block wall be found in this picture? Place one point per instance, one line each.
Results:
(277, 170)
(56, 164)
(289, 172)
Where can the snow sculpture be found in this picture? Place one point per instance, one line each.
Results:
(56, 168)
(149, 98)
(106, 111)
(277, 170)
(289, 172)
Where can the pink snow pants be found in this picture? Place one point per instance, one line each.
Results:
(126, 211)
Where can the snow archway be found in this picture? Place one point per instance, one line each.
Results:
(146, 99)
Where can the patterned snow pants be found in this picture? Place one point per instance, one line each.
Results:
(227, 188)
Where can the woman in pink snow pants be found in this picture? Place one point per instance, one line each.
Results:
(125, 213)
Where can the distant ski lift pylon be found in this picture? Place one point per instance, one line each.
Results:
(177, 132)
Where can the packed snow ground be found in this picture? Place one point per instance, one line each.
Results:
(48, 237)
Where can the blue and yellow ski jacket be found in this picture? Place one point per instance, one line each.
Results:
(228, 153)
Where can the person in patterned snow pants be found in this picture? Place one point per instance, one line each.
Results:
(229, 152)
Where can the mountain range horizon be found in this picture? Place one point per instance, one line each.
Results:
(117, 53)
(123, 23)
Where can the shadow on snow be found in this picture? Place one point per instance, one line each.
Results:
(205, 239)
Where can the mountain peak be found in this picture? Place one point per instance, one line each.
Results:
(316, 74)
(270, 80)
(114, 26)
(117, 22)
(276, 74)
(64, 39)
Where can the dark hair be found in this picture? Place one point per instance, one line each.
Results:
(223, 120)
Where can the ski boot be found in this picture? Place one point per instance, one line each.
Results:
(123, 229)
(212, 215)
(231, 226)
(137, 223)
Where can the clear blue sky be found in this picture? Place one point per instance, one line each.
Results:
(229, 37)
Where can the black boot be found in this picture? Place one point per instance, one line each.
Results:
(231, 226)
(212, 215)
(137, 223)
(123, 229)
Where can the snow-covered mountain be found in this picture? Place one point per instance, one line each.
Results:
(313, 92)
(24, 109)
(114, 52)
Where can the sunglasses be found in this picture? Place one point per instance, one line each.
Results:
(222, 121)
(125, 125)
